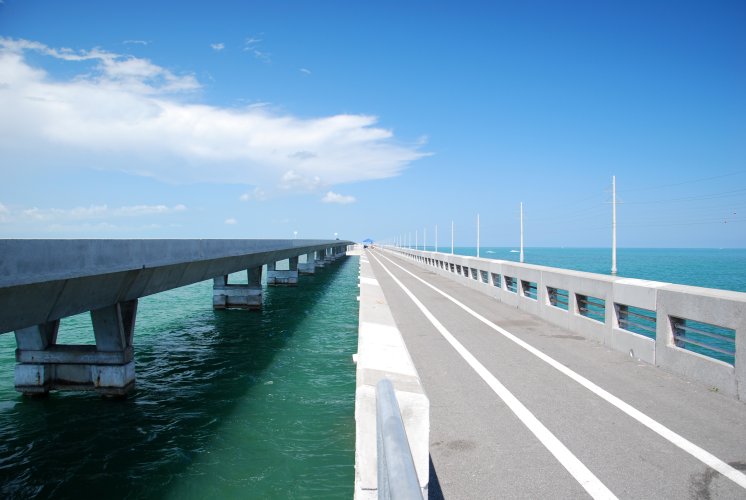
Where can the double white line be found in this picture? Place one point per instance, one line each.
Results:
(579, 471)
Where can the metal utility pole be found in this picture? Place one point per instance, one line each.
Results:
(613, 224)
(521, 232)
(424, 239)
(451, 237)
(477, 235)
(416, 240)
(436, 237)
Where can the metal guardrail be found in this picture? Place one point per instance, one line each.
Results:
(397, 477)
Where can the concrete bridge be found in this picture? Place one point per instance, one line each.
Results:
(43, 281)
(522, 381)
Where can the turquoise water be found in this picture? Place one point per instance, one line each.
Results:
(229, 404)
(707, 267)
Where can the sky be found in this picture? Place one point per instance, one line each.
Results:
(379, 120)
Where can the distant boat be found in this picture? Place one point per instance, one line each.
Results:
(489, 251)
(514, 251)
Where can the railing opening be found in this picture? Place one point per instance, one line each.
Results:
(474, 273)
(703, 338)
(458, 269)
(636, 320)
(558, 297)
(466, 271)
(453, 268)
(591, 307)
(497, 280)
(485, 276)
(511, 284)
(528, 289)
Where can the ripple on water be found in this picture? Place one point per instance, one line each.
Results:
(228, 404)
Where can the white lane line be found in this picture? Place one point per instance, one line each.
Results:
(575, 467)
(699, 453)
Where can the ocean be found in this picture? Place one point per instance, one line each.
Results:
(707, 267)
(244, 404)
(228, 404)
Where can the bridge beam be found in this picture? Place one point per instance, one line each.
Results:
(239, 296)
(107, 367)
(283, 277)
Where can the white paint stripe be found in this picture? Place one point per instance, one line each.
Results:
(575, 467)
(699, 453)
(368, 281)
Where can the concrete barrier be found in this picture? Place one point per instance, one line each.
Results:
(598, 307)
(383, 354)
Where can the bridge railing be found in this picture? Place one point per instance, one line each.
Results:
(697, 332)
(397, 477)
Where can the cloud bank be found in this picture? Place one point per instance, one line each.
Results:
(119, 112)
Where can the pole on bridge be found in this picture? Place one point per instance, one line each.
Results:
(521, 254)
(451, 237)
(477, 235)
(613, 224)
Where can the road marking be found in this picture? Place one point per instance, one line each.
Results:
(575, 467)
(680, 441)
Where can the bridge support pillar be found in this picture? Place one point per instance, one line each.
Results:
(320, 258)
(107, 367)
(239, 296)
(309, 266)
(283, 277)
(330, 255)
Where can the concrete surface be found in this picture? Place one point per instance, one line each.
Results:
(480, 449)
(383, 354)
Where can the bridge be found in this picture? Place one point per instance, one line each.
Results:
(523, 381)
(43, 281)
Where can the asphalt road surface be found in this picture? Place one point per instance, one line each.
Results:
(520, 408)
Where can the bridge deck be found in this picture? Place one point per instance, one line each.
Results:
(481, 449)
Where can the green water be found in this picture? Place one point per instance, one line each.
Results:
(229, 404)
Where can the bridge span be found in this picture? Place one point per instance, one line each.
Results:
(525, 403)
(43, 281)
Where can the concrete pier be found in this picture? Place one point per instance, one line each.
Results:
(309, 266)
(108, 367)
(42, 281)
(283, 277)
(321, 258)
(239, 296)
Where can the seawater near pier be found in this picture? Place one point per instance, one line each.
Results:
(228, 404)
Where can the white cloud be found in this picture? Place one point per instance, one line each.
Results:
(332, 197)
(128, 114)
(257, 194)
(217, 46)
(251, 44)
(91, 212)
(4, 212)
(299, 182)
(136, 42)
(305, 71)
(231, 221)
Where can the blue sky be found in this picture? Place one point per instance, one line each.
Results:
(375, 119)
